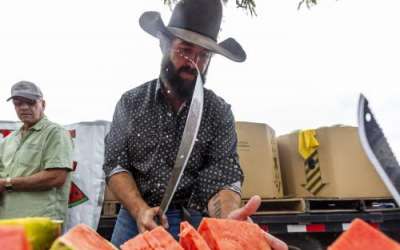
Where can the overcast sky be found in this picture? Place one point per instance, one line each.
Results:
(305, 68)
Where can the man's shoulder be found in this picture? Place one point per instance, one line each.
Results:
(51, 124)
(53, 127)
(215, 102)
(140, 91)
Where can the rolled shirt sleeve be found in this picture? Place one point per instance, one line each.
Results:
(58, 150)
(116, 146)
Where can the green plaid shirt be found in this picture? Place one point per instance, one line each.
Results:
(46, 145)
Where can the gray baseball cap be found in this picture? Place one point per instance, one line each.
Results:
(27, 90)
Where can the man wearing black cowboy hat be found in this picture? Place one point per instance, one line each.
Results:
(148, 123)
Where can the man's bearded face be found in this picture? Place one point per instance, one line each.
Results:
(182, 87)
(179, 70)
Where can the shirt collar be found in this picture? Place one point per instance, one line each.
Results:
(158, 93)
(39, 125)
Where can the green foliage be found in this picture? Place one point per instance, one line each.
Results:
(248, 5)
(308, 3)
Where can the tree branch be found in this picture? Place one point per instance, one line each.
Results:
(308, 3)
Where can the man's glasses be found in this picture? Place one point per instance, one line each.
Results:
(200, 58)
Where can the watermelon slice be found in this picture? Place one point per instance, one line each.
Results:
(153, 242)
(40, 232)
(190, 239)
(76, 196)
(225, 234)
(362, 236)
(156, 239)
(82, 237)
(159, 238)
(137, 243)
(13, 238)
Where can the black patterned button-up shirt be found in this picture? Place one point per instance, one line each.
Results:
(144, 139)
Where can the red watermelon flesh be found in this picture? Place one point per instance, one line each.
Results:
(362, 236)
(152, 241)
(13, 238)
(83, 237)
(159, 238)
(137, 243)
(190, 239)
(76, 196)
(225, 234)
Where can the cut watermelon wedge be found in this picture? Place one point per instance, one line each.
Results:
(362, 236)
(156, 239)
(82, 237)
(159, 238)
(13, 238)
(137, 243)
(225, 234)
(40, 231)
(190, 239)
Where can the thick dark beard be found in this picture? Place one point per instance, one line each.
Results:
(182, 88)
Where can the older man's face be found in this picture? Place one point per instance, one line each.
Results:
(29, 111)
(179, 66)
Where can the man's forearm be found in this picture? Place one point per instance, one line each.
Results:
(125, 189)
(41, 181)
(222, 203)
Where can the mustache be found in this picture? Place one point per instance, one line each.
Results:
(188, 69)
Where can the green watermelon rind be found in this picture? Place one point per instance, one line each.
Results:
(78, 202)
(82, 197)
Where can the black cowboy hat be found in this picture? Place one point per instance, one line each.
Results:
(197, 22)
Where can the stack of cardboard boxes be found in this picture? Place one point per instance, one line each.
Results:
(259, 159)
(273, 167)
(344, 167)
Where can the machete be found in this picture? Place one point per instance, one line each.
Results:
(187, 142)
(377, 149)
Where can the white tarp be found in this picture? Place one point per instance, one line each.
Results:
(87, 191)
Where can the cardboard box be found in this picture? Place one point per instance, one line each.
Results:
(258, 154)
(345, 169)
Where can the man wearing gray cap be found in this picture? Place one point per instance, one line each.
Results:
(35, 160)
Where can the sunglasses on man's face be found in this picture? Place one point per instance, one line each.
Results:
(19, 102)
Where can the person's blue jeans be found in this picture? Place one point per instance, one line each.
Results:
(125, 227)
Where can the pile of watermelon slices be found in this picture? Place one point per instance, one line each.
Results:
(213, 234)
(221, 234)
